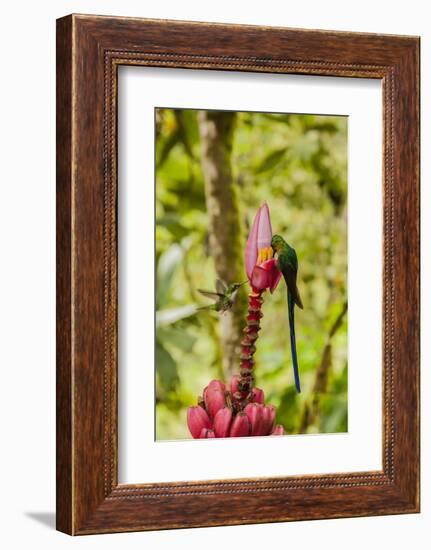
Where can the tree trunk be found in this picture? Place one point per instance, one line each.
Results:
(225, 239)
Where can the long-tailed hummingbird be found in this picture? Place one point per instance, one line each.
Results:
(287, 263)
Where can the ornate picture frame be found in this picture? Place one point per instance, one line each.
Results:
(89, 51)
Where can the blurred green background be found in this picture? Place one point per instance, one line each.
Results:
(298, 164)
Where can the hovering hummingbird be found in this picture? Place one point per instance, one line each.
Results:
(287, 263)
(224, 296)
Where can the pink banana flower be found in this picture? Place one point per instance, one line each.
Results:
(240, 426)
(238, 409)
(221, 414)
(197, 420)
(214, 397)
(261, 417)
(207, 433)
(258, 396)
(260, 265)
(278, 430)
(222, 422)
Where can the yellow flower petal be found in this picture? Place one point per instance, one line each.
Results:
(264, 254)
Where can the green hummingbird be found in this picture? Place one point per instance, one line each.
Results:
(287, 263)
(224, 296)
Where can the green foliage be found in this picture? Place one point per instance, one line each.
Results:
(298, 164)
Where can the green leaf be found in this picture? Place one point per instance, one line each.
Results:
(165, 147)
(189, 128)
(271, 160)
(288, 410)
(334, 414)
(172, 315)
(329, 127)
(178, 338)
(166, 368)
(168, 263)
(276, 117)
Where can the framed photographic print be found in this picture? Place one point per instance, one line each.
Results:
(237, 274)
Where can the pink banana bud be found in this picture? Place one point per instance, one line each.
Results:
(278, 430)
(260, 237)
(206, 433)
(254, 412)
(240, 426)
(216, 385)
(197, 420)
(222, 422)
(269, 413)
(234, 383)
(214, 400)
(258, 396)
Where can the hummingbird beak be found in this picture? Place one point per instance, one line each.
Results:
(239, 285)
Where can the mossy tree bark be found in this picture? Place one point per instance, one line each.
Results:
(225, 239)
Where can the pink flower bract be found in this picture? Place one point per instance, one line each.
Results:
(197, 420)
(221, 412)
(214, 399)
(265, 274)
(278, 430)
(240, 426)
(222, 422)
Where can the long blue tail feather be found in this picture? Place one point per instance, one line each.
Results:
(291, 306)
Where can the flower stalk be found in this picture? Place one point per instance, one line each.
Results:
(244, 393)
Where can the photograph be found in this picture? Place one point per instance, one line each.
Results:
(251, 273)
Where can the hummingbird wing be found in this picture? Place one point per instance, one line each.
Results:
(210, 294)
(290, 271)
(233, 296)
(290, 278)
(221, 286)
